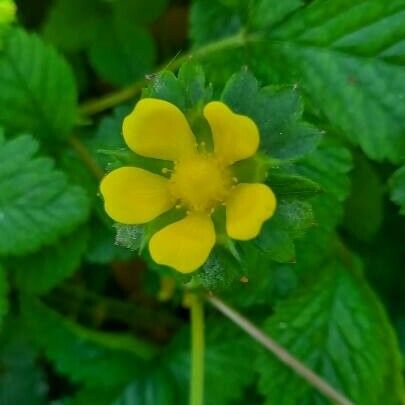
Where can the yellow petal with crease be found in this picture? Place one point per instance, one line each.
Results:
(247, 207)
(235, 136)
(184, 245)
(135, 196)
(158, 129)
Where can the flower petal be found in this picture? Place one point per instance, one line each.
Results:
(184, 245)
(247, 207)
(158, 129)
(135, 196)
(236, 136)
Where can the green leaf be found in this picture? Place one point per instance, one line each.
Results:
(290, 184)
(292, 218)
(74, 24)
(211, 20)
(98, 359)
(165, 86)
(41, 271)
(38, 93)
(122, 53)
(192, 78)
(341, 54)
(37, 205)
(154, 388)
(220, 271)
(364, 207)
(22, 381)
(276, 111)
(397, 186)
(337, 327)
(329, 166)
(265, 13)
(346, 56)
(227, 371)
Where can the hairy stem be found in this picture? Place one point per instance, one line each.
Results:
(197, 350)
(127, 93)
(283, 355)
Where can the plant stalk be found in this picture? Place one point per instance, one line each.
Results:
(197, 350)
(283, 355)
(127, 93)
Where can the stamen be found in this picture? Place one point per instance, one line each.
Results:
(235, 179)
(165, 170)
(178, 206)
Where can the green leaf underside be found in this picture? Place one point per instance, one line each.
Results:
(37, 205)
(346, 56)
(337, 327)
(38, 93)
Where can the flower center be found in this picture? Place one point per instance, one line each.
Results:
(200, 182)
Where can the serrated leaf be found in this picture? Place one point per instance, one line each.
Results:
(220, 271)
(211, 20)
(154, 388)
(265, 13)
(73, 24)
(38, 93)
(337, 326)
(123, 53)
(346, 56)
(192, 78)
(292, 218)
(43, 270)
(98, 359)
(276, 111)
(165, 86)
(37, 205)
(329, 166)
(397, 185)
(290, 184)
(338, 53)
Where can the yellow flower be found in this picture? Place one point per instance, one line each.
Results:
(200, 181)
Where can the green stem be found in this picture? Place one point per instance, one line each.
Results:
(127, 93)
(282, 354)
(197, 350)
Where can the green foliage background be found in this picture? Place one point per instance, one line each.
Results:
(84, 319)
